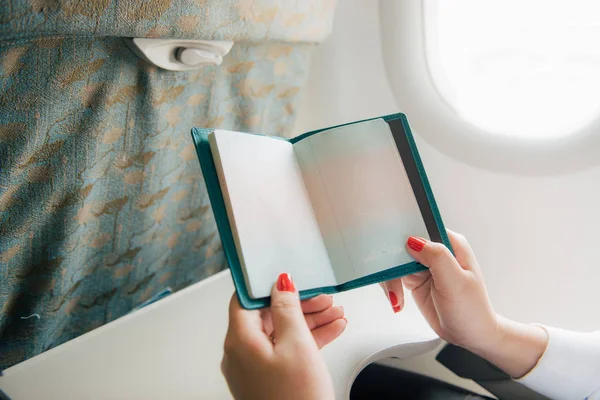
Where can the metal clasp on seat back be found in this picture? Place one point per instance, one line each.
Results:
(179, 54)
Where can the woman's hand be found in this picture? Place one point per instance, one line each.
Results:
(319, 314)
(256, 366)
(453, 299)
(451, 294)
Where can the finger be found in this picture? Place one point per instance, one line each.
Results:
(416, 280)
(317, 304)
(265, 315)
(444, 268)
(462, 250)
(328, 333)
(316, 320)
(243, 320)
(395, 294)
(313, 320)
(286, 313)
(245, 326)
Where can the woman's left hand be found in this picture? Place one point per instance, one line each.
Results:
(320, 315)
(274, 353)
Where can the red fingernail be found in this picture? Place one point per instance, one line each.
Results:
(393, 298)
(285, 283)
(416, 243)
(397, 309)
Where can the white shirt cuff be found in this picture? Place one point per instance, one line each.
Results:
(569, 368)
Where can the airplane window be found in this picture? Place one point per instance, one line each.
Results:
(526, 68)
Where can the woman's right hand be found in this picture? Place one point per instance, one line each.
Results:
(453, 298)
(451, 294)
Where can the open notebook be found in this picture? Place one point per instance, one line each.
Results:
(333, 207)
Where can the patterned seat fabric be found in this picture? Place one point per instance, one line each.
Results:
(102, 202)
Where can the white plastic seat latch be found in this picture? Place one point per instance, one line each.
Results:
(179, 54)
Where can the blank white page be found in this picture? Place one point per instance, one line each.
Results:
(362, 197)
(270, 212)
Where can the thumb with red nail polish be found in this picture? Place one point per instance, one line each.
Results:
(287, 315)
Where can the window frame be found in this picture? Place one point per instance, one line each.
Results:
(403, 37)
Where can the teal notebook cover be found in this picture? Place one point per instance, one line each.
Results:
(415, 172)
